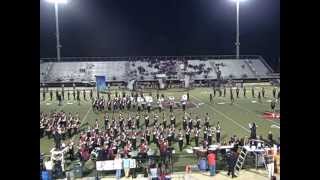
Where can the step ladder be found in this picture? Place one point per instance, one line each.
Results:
(240, 161)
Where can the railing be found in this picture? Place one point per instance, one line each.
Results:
(139, 58)
(266, 64)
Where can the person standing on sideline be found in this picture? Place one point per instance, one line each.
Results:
(253, 131)
(84, 95)
(43, 95)
(274, 91)
(252, 92)
(180, 138)
(237, 91)
(218, 132)
(118, 166)
(51, 94)
(244, 91)
(212, 163)
(263, 91)
(68, 95)
(210, 97)
(126, 165)
(224, 91)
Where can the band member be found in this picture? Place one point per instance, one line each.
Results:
(210, 136)
(210, 97)
(259, 97)
(164, 123)
(273, 105)
(59, 98)
(274, 91)
(157, 95)
(214, 92)
(206, 121)
(198, 122)
(188, 136)
(196, 136)
(43, 95)
(244, 91)
(134, 140)
(159, 106)
(180, 139)
(188, 96)
(263, 91)
(184, 124)
(205, 133)
(78, 96)
(149, 107)
(148, 133)
(116, 93)
(154, 134)
(184, 105)
(146, 120)
(190, 125)
(253, 133)
(138, 121)
(252, 92)
(279, 95)
(171, 106)
(74, 95)
(231, 97)
(84, 95)
(68, 93)
(218, 132)
(237, 91)
(51, 94)
(57, 93)
(172, 120)
(224, 91)
(91, 94)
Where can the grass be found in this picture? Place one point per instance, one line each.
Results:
(234, 119)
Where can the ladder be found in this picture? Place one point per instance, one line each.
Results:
(240, 161)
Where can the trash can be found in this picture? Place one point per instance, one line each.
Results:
(70, 175)
(45, 175)
(77, 169)
(203, 164)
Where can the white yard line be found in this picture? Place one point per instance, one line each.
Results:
(86, 115)
(224, 115)
(249, 111)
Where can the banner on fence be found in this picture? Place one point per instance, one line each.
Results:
(101, 83)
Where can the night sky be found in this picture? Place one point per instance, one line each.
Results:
(161, 27)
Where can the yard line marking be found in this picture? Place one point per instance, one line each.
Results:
(85, 116)
(224, 115)
(249, 111)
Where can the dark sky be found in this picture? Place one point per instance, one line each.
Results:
(161, 27)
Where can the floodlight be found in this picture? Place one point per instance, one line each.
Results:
(58, 1)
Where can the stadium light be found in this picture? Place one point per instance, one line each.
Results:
(237, 37)
(56, 5)
(57, 1)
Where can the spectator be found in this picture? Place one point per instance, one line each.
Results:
(118, 166)
(212, 163)
(154, 172)
(126, 165)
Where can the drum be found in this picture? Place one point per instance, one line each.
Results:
(202, 153)
(195, 149)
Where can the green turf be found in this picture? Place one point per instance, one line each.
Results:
(233, 119)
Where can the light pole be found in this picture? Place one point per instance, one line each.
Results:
(56, 5)
(238, 41)
(237, 36)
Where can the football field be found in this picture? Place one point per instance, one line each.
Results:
(234, 119)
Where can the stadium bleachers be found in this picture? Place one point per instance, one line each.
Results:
(85, 71)
(234, 68)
